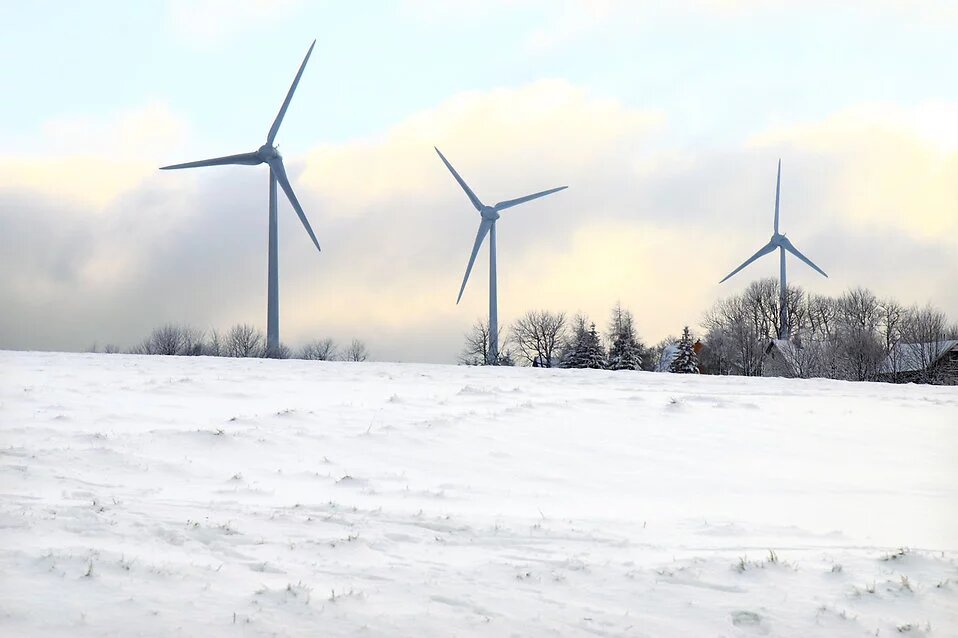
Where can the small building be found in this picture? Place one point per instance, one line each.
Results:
(670, 352)
(782, 358)
(934, 362)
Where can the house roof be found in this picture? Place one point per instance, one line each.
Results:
(913, 357)
(668, 355)
(788, 348)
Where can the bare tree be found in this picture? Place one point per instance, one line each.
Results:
(892, 317)
(861, 351)
(192, 341)
(739, 327)
(165, 340)
(821, 340)
(538, 335)
(475, 352)
(244, 340)
(214, 346)
(761, 305)
(319, 350)
(281, 351)
(861, 355)
(111, 348)
(822, 312)
(806, 358)
(924, 332)
(718, 353)
(171, 339)
(355, 351)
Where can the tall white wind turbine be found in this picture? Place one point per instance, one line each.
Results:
(782, 243)
(487, 226)
(267, 154)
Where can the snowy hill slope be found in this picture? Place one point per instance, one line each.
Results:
(217, 497)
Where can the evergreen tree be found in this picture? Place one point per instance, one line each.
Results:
(625, 352)
(588, 352)
(685, 361)
(574, 342)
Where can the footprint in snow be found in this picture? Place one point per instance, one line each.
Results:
(747, 619)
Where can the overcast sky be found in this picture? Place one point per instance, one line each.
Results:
(665, 119)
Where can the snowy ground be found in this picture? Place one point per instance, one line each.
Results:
(216, 497)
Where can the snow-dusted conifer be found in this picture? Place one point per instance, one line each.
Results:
(587, 351)
(571, 345)
(685, 361)
(624, 349)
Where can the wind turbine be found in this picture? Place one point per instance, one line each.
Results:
(782, 243)
(487, 226)
(267, 154)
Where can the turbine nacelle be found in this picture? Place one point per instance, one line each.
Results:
(778, 240)
(268, 153)
(489, 213)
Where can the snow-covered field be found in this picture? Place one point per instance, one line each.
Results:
(217, 497)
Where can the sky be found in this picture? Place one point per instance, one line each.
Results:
(665, 119)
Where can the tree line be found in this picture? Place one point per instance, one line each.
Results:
(854, 336)
(545, 339)
(241, 340)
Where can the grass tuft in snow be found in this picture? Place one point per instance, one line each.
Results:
(351, 593)
(905, 583)
(744, 564)
(898, 554)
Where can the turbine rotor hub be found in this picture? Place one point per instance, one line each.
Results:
(268, 152)
(488, 212)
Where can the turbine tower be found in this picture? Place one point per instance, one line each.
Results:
(782, 243)
(487, 226)
(267, 154)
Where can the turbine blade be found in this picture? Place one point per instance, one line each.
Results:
(483, 231)
(790, 248)
(472, 196)
(280, 172)
(778, 187)
(509, 203)
(274, 129)
(766, 249)
(249, 159)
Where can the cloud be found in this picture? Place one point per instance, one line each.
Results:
(91, 161)
(888, 167)
(514, 139)
(568, 22)
(652, 228)
(211, 22)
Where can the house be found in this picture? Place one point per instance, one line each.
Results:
(782, 358)
(799, 358)
(670, 352)
(934, 362)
